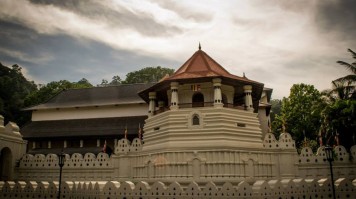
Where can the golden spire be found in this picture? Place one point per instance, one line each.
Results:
(199, 46)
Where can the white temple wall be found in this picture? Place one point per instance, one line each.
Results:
(263, 119)
(221, 127)
(278, 160)
(262, 189)
(12, 148)
(90, 112)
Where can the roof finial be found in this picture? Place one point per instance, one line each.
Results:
(199, 46)
(244, 75)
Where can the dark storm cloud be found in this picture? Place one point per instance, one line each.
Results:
(338, 16)
(20, 44)
(92, 60)
(143, 23)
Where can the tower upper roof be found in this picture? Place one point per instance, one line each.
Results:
(199, 64)
(200, 67)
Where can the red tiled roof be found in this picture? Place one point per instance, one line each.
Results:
(200, 65)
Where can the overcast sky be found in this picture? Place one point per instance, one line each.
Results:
(276, 42)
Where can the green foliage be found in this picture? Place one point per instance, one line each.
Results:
(53, 88)
(83, 83)
(145, 75)
(116, 80)
(300, 113)
(345, 87)
(148, 74)
(339, 119)
(14, 87)
(276, 108)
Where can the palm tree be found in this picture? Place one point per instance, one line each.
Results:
(339, 113)
(345, 87)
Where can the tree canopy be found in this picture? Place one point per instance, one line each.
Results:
(16, 92)
(300, 113)
(145, 75)
(14, 87)
(148, 74)
(328, 117)
(46, 92)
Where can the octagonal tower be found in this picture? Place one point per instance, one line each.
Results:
(202, 106)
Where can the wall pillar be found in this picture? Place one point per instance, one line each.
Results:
(98, 142)
(248, 97)
(174, 98)
(49, 144)
(81, 143)
(217, 93)
(152, 104)
(33, 144)
(65, 144)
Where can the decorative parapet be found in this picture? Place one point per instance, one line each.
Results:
(50, 161)
(285, 141)
(307, 156)
(286, 188)
(312, 165)
(124, 146)
(10, 132)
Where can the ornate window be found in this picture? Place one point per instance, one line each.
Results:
(195, 120)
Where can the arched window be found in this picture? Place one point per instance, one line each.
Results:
(198, 100)
(195, 120)
(5, 164)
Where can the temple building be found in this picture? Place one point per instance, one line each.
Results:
(83, 120)
(201, 124)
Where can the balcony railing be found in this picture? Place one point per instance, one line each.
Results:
(199, 104)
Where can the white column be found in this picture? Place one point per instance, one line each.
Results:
(248, 97)
(98, 142)
(65, 144)
(217, 93)
(81, 143)
(49, 144)
(152, 104)
(174, 98)
(33, 145)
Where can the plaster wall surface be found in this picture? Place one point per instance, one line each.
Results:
(12, 148)
(90, 112)
(262, 189)
(218, 128)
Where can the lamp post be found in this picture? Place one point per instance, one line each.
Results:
(61, 158)
(330, 158)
